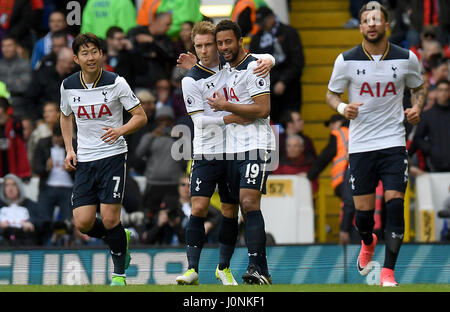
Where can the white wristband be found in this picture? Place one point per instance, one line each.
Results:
(341, 107)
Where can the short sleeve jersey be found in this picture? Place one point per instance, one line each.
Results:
(95, 108)
(200, 83)
(379, 85)
(243, 86)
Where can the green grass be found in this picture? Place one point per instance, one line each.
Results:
(220, 288)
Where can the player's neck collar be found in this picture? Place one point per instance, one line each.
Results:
(84, 84)
(386, 51)
(241, 61)
(204, 68)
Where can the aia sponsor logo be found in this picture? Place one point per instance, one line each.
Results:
(378, 90)
(229, 95)
(89, 112)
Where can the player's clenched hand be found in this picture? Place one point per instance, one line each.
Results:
(70, 162)
(351, 111)
(412, 115)
(263, 68)
(111, 135)
(217, 103)
(186, 60)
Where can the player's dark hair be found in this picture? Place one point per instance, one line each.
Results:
(83, 40)
(229, 25)
(112, 31)
(373, 5)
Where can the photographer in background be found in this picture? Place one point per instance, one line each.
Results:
(161, 170)
(165, 226)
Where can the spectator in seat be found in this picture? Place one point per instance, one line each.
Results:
(295, 161)
(148, 101)
(152, 43)
(55, 183)
(19, 217)
(163, 92)
(28, 127)
(44, 129)
(121, 56)
(432, 136)
(46, 83)
(165, 226)
(432, 50)
(13, 150)
(292, 123)
(59, 41)
(162, 170)
(184, 43)
(16, 21)
(44, 46)
(439, 70)
(16, 74)
(429, 36)
(283, 42)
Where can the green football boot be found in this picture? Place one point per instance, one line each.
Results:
(128, 256)
(118, 281)
(188, 278)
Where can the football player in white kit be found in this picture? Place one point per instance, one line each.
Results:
(96, 98)
(375, 74)
(209, 166)
(250, 144)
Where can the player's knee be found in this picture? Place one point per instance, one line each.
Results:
(249, 204)
(110, 221)
(83, 224)
(229, 210)
(200, 207)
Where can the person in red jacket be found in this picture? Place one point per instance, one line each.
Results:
(296, 161)
(13, 153)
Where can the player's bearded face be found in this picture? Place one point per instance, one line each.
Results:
(373, 26)
(227, 44)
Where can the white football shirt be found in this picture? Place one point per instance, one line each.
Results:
(379, 85)
(242, 87)
(200, 83)
(96, 108)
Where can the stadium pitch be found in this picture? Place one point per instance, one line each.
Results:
(221, 288)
